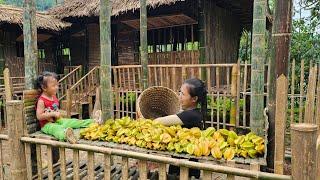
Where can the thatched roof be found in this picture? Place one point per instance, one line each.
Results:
(14, 15)
(88, 8)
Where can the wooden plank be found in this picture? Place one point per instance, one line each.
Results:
(90, 165)
(76, 164)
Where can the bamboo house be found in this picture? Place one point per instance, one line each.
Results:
(11, 35)
(174, 31)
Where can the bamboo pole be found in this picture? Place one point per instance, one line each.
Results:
(7, 84)
(15, 119)
(303, 146)
(202, 32)
(105, 63)
(234, 80)
(107, 166)
(309, 112)
(50, 163)
(280, 125)
(144, 42)
(301, 91)
(159, 159)
(257, 71)
(30, 43)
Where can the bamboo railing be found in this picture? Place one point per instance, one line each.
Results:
(80, 92)
(68, 69)
(69, 80)
(98, 162)
(218, 78)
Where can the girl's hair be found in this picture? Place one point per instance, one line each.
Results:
(43, 78)
(198, 88)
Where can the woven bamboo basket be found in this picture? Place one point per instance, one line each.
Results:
(157, 101)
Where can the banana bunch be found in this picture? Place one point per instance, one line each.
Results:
(149, 134)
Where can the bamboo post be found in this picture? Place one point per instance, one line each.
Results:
(234, 80)
(30, 43)
(144, 42)
(15, 118)
(257, 72)
(69, 102)
(7, 84)
(105, 63)
(280, 126)
(202, 32)
(303, 146)
(309, 112)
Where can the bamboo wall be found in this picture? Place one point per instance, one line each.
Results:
(15, 63)
(78, 50)
(126, 46)
(174, 57)
(93, 45)
(222, 32)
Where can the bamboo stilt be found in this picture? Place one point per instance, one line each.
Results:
(105, 63)
(144, 42)
(257, 71)
(30, 43)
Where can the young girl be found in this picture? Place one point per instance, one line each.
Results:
(48, 114)
(192, 93)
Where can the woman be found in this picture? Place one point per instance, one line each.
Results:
(192, 93)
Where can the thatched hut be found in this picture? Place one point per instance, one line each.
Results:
(173, 30)
(11, 40)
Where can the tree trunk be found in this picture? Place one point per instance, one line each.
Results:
(281, 46)
(30, 44)
(144, 42)
(257, 70)
(105, 63)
